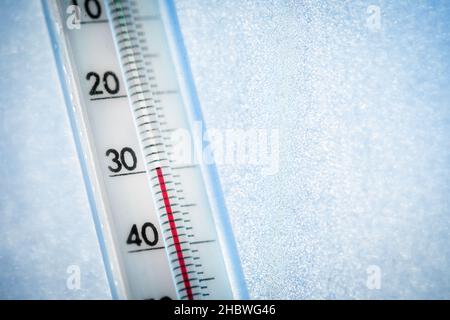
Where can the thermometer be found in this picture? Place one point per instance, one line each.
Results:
(161, 223)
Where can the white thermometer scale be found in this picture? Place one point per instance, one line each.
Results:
(162, 225)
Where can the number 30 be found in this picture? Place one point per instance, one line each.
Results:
(120, 159)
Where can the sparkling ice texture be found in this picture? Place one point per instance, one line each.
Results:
(364, 121)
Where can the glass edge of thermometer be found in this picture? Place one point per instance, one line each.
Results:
(90, 168)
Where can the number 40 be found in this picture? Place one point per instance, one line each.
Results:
(135, 237)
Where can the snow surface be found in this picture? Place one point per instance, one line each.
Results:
(364, 122)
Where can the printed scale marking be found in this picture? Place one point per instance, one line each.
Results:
(148, 124)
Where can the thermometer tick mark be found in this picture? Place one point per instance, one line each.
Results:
(94, 21)
(146, 249)
(173, 229)
(125, 174)
(202, 241)
(110, 97)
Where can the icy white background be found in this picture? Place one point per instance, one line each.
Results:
(364, 120)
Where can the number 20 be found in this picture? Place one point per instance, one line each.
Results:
(111, 88)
